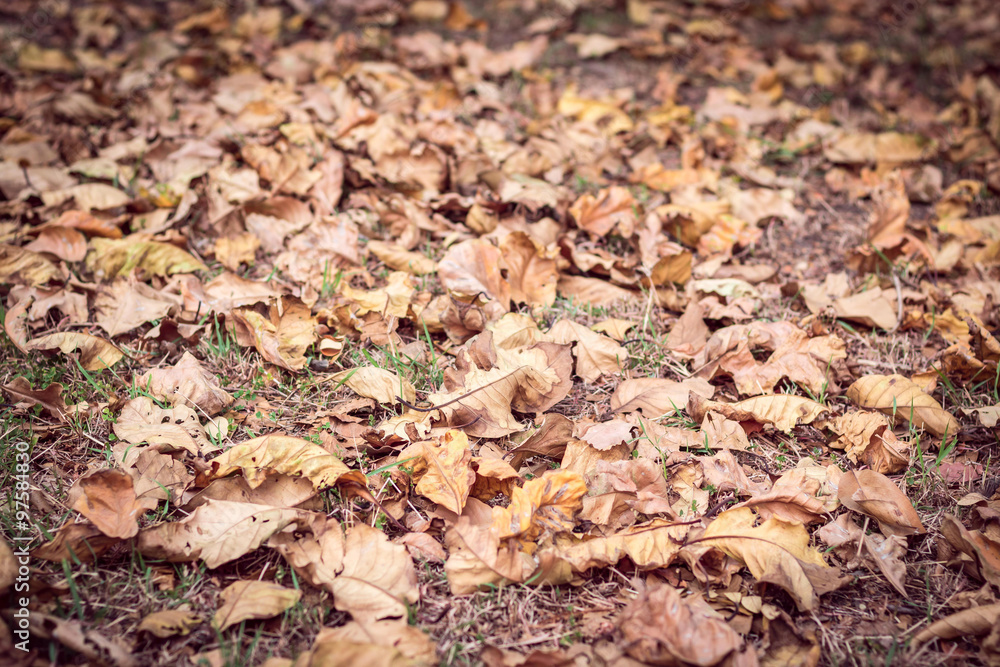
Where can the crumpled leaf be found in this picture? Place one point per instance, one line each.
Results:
(284, 454)
(128, 304)
(141, 420)
(25, 267)
(783, 410)
(867, 439)
(244, 600)
(903, 400)
(378, 577)
(472, 268)
(49, 398)
(873, 494)
(186, 383)
(613, 208)
(596, 355)
(282, 335)
(660, 628)
(983, 549)
(442, 470)
(546, 504)
(776, 552)
(531, 272)
(882, 553)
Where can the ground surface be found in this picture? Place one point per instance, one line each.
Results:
(531, 333)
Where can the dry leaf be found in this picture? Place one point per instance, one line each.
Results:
(170, 623)
(95, 353)
(874, 494)
(378, 578)
(244, 600)
(657, 397)
(377, 383)
(107, 497)
(783, 410)
(903, 400)
(441, 469)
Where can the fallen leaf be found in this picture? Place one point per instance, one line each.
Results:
(246, 600)
(783, 410)
(657, 397)
(441, 469)
(873, 494)
(107, 497)
(95, 353)
(378, 579)
(169, 623)
(377, 383)
(902, 400)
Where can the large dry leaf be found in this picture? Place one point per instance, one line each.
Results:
(186, 383)
(107, 497)
(95, 353)
(783, 410)
(94, 646)
(128, 304)
(218, 532)
(611, 209)
(803, 494)
(442, 469)
(64, 242)
(141, 420)
(662, 628)
(546, 504)
(395, 635)
(892, 147)
(903, 400)
(472, 268)
(317, 555)
(596, 355)
(282, 335)
(967, 623)
(656, 397)
(284, 454)
(393, 299)
(775, 552)
(476, 557)
(854, 547)
(75, 541)
(873, 494)
(244, 600)
(371, 382)
(794, 355)
(378, 578)
(867, 439)
(120, 257)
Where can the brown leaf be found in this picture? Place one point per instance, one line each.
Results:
(120, 257)
(128, 304)
(371, 382)
(24, 267)
(873, 494)
(284, 454)
(966, 623)
(75, 541)
(783, 410)
(49, 398)
(442, 469)
(218, 532)
(546, 504)
(282, 335)
(400, 259)
(472, 268)
(660, 627)
(64, 242)
(596, 355)
(186, 383)
(612, 208)
(983, 549)
(169, 623)
(776, 552)
(605, 435)
(318, 554)
(378, 577)
(901, 399)
(244, 600)
(107, 498)
(657, 397)
(141, 420)
(868, 440)
(95, 353)
(531, 272)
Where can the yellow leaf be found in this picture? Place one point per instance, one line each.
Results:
(244, 600)
(24, 267)
(443, 470)
(120, 257)
(377, 383)
(547, 504)
(284, 454)
(400, 259)
(169, 623)
(95, 353)
(901, 399)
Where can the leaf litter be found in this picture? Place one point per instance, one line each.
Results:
(535, 333)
